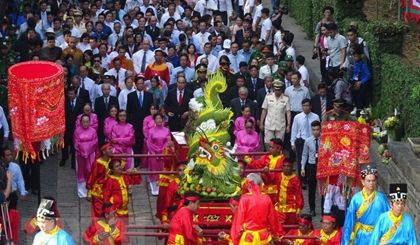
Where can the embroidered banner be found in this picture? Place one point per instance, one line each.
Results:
(36, 101)
(344, 145)
(412, 10)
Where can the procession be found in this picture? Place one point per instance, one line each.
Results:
(213, 107)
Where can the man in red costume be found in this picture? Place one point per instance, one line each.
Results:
(158, 68)
(241, 172)
(329, 234)
(31, 226)
(290, 199)
(164, 180)
(171, 193)
(267, 163)
(306, 228)
(182, 230)
(97, 177)
(233, 203)
(115, 189)
(255, 217)
(107, 231)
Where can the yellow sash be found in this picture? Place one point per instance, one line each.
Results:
(367, 201)
(396, 222)
(325, 238)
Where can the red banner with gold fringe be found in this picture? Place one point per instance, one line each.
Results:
(36, 102)
(344, 146)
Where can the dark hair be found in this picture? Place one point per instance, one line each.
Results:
(300, 59)
(189, 194)
(243, 64)
(155, 77)
(351, 29)
(304, 101)
(244, 107)
(288, 160)
(278, 141)
(224, 58)
(315, 124)
(252, 67)
(84, 115)
(249, 121)
(334, 73)
(240, 77)
(328, 8)
(113, 162)
(288, 38)
(118, 113)
(307, 217)
(72, 89)
(357, 48)
(112, 106)
(157, 114)
(3, 150)
(195, 49)
(265, 11)
(298, 74)
(153, 105)
(138, 78)
(332, 27)
(322, 85)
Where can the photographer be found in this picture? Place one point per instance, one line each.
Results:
(17, 181)
(6, 192)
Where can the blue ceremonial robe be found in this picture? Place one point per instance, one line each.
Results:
(370, 217)
(61, 238)
(404, 235)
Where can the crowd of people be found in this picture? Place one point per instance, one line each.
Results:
(131, 67)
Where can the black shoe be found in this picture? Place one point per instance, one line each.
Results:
(35, 192)
(62, 163)
(303, 187)
(312, 213)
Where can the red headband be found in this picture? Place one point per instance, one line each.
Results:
(192, 198)
(105, 146)
(233, 202)
(327, 217)
(279, 146)
(109, 209)
(305, 222)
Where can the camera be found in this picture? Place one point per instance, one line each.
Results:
(284, 10)
(315, 56)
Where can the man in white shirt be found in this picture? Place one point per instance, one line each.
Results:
(74, 31)
(224, 8)
(117, 34)
(301, 130)
(256, 15)
(211, 58)
(131, 4)
(118, 72)
(270, 68)
(143, 58)
(4, 128)
(169, 14)
(249, 6)
(203, 35)
(300, 64)
(122, 97)
(205, 7)
(266, 26)
(106, 79)
(87, 83)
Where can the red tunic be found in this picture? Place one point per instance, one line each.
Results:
(31, 226)
(254, 220)
(270, 185)
(170, 198)
(94, 185)
(160, 70)
(164, 181)
(296, 232)
(117, 237)
(290, 199)
(333, 239)
(181, 230)
(115, 191)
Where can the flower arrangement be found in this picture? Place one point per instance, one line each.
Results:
(391, 122)
(383, 152)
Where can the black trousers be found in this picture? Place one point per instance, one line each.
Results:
(299, 150)
(1, 137)
(340, 216)
(30, 173)
(287, 137)
(65, 152)
(310, 173)
(13, 200)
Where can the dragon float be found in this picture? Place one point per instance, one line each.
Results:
(211, 171)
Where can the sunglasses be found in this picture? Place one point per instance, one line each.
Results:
(96, 61)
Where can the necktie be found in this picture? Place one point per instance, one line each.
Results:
(316, 149)
(106, 104)
(242, 103)
(83, 83)
(307, 127)
(254, 83)
(323, 108)
(269, 91)
(143, 62)
(140, 100)
(218, 5)
(203, 40)
(118, 77)
(72, 105)
(271, 70)
(180, 98)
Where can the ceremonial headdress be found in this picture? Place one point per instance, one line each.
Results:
(398, 192)
(47, 209)
(369, 168)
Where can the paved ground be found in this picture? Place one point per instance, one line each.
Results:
(60, 182)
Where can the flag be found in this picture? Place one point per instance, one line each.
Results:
(412, 10)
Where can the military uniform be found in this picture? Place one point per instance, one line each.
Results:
(6, 61)
(342, 116)
(259, 57)
(275, 119)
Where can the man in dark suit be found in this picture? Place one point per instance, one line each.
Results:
(81, 92)
(322, 102)
(232, 93)
(102, 105)
(253, 83)
(237, 103)
(243, 70)
(138, 107)
(72, 108)
(176, 105)
(152, 29)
